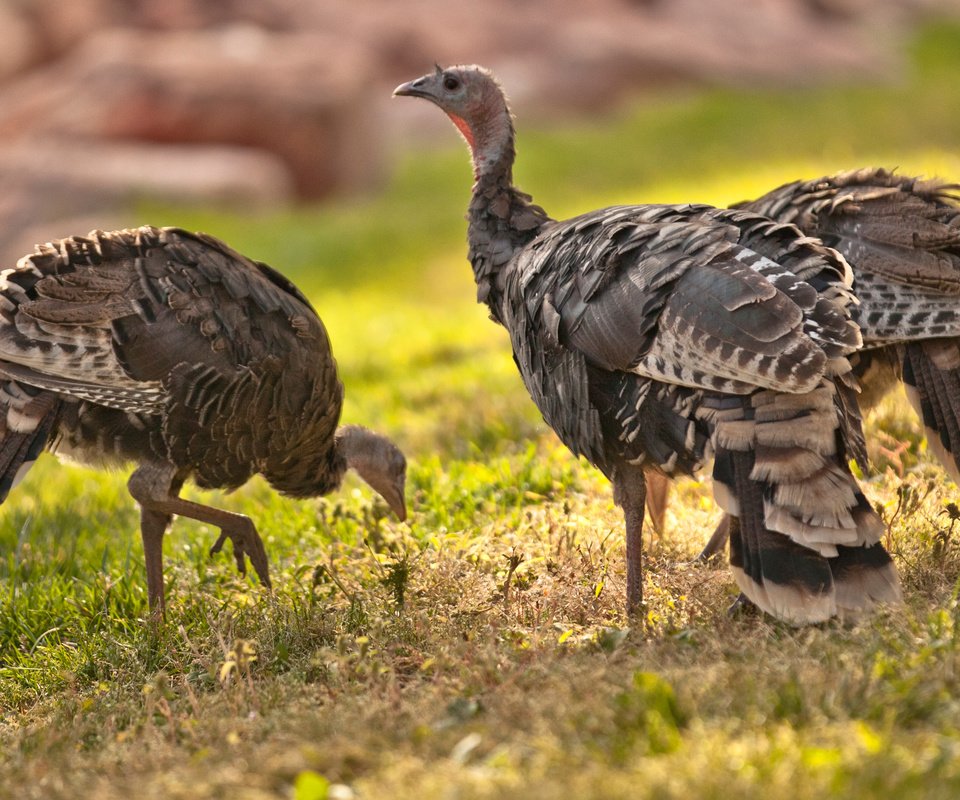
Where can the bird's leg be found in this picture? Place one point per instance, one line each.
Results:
(717, 541)
(658, 488)
(629, 492)
(155, 488)
(153, 526)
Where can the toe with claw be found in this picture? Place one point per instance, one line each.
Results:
(246, 544)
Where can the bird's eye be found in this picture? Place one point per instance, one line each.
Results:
(451, 83)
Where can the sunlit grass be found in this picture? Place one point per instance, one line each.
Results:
(480, 650)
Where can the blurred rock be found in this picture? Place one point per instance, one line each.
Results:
(94, 184)
(298, 97)
(584, 56)
(59, 27)
(115, 99)
(18, 42)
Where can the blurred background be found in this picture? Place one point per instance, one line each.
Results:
(256, 105)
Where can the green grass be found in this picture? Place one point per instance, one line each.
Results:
(480, 650)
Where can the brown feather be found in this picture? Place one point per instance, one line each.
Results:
(173, 351)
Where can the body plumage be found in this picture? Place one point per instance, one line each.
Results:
(648, 335)
(170, 350)
(901, 236)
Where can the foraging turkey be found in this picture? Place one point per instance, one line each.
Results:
(170, 350)
(646, 333)
(901, 236)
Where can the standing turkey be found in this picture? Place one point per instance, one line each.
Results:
(901, 236)
(646, 333)
(170, 350)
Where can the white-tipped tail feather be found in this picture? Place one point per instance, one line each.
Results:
(804, 541)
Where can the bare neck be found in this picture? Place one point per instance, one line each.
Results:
(357, 446)
(377, 460)
(491, 140)
(501, 218)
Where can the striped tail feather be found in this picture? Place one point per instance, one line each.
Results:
(863, 577)
(804, 541)
(781, 577)
(931, 373)
(27, 419)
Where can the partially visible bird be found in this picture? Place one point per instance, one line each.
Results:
(901, 236)
(647, 334)
(170, 350)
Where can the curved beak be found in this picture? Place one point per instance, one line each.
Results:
(423, 86)
(417, 88)
(409, 89)
(395, 499)
(390, 488)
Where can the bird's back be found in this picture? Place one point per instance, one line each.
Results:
(901, 236)
(601, 305)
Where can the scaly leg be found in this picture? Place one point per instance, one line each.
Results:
(155, 487)
(629, 492)
(153, 526)
(658, 490)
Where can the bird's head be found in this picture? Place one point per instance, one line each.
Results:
(378, 461)
(471, 97)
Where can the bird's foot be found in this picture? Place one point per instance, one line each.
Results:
(740, 606)
(246, 544)
(718, 541)
(705, 556)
